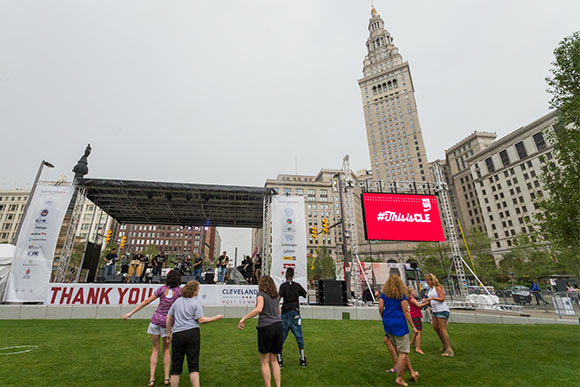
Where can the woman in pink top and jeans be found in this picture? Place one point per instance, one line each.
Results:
(167, 295)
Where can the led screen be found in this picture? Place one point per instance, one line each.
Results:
(397, 217)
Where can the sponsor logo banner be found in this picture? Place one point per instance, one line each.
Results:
(130, 294)
(32, 263)
(402, 217)
(288, 239)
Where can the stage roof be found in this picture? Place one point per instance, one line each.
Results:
(147, 202)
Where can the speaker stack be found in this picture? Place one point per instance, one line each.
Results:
(331, 292)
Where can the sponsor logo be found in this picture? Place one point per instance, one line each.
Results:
(391, 216)
(426, 204)
(289, 212)
(38, 233)
(289, 244)
(40, 227)
(289, 258)
(288, 251)
(44, 212)
(289, 238)
(33, 253)
(40, 220)
(33, 247)
(289, 228)
(27, 274)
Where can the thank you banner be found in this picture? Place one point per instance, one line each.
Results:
(288, 238)
(32, 263)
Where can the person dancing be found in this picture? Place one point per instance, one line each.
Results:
(270, 328)
(167, 295)
(436, 297)
(417, 317)
(290, 292)
(183, 320)
(394, 310)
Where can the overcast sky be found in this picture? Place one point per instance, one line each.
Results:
(232, 92)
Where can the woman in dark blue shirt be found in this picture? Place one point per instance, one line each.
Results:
(394, 309)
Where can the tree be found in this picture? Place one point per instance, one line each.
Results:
(528, 258)
(323, 268)
(559, 216)
(431, 257)
(479, 244)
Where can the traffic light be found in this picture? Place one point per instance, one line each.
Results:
(325, 226)
(108, 237)
(123, 241)
(314, 232)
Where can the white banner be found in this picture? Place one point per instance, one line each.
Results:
(128, 294)
(32, 264)
(288, 239)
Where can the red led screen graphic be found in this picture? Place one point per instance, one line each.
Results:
(394, 217)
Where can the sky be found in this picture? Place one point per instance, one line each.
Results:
(236, 92)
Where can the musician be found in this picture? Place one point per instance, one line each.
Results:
(125, 264)
(158, 263)
(247, 268)
(185, 266)
(110, 263)
(257, 267)
(145, 264)
(222, 263)
(197, 266)
(137, 264)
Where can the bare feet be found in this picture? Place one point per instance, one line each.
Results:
(448, 353)
(419, 350)
(400, 382)
(415, 376)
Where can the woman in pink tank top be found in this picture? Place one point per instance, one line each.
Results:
(416, 315)
(167, 295)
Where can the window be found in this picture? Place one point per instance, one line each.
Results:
(311, 195)
(300, 191)
(540, 142)
(505, 159)
(521, 150)
(323, 195)
(489, 163)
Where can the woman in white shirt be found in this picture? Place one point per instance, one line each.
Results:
(436, 297)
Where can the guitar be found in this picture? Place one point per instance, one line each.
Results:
(110, 261)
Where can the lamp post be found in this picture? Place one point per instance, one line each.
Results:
(42, 165)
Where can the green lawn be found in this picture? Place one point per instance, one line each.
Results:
(116, 353)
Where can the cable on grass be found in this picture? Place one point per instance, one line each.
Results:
(16, 350)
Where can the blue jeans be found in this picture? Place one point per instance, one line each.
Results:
(197, 274)
(221, 274)
(109, 271)
(293, 322)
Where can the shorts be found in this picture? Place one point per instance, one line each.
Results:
(156, 330)
(185, 343)
(444, 315)
(418, 323)
(271, 338)
(402, 343)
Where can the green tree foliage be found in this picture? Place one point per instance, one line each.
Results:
(480, 249)
(431, 257)
(324, 266)
(559, 216)
(528, 259)
(150, 251)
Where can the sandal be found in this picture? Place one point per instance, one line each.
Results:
(151, 383)
(167, 382)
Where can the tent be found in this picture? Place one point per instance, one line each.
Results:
(6, 255)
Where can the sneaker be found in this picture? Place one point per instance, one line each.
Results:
(280, 361)
(303, 362)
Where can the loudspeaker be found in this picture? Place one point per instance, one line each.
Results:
(101, 275)
(114, 278)
(331, 292)
(208, 278)
(185, 278)
(91, 260)
(158, 279)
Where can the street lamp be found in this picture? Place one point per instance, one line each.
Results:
(43, 164)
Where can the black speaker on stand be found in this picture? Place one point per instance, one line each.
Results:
(331, 292)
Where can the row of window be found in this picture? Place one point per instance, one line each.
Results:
(521, 152)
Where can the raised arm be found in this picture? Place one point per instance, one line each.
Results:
(205, 320)
(405, 308)
(254, 312)
(139, 307)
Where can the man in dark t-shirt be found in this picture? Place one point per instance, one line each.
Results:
(197, 267)
(291, 292)
(222, 264)
(158, 263)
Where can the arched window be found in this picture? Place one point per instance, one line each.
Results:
(379, 89)
(389, 84)
(395, 83)
(375, 90)
(385, 86)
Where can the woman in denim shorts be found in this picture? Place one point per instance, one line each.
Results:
(436, 297)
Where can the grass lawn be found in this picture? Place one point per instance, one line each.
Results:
(346, 353)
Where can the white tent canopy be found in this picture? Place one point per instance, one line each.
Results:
(6, 256)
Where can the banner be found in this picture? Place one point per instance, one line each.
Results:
(32, 264)
(401, 217)
(130, 294)
(288, 239)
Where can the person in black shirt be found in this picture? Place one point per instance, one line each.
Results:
(197, 266)
(158, 263)
(222, 264)
(145, 263)
(257, 267)
(291, 292)
(110, 263)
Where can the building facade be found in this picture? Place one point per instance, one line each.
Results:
(464, 199)
(12, 204)
(176, 241)
(395, 141)
(506, 176)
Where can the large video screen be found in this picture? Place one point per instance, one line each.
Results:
(401, 217)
